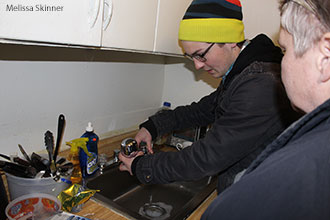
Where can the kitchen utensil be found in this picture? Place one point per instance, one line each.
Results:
(60, 161)
(39, 162)
(21, 161)
(49, 142)
(5, 156)
(60, 127)
(65, 167)
(16, 160)
(24, 153)
(18, 170)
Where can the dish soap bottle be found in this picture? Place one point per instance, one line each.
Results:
(76, 175)
(89, 164)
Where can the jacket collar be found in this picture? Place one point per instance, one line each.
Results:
(261, 49)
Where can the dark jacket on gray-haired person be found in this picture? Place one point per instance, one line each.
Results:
(288, 181)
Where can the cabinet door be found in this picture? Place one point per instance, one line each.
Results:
(169, 16)
(74, 22)
(132, 24)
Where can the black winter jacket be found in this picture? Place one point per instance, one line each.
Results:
(247, 112)
(290, 180)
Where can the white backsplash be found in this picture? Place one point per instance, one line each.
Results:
(112, 95)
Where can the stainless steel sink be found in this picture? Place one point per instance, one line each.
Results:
(128, 196)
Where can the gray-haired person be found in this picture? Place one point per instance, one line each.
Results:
(290, 179)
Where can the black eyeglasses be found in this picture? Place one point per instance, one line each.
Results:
(199, 57)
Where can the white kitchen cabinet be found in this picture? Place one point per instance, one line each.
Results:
(131, 24)
(144, 25)
(74, 22)
(170, 14)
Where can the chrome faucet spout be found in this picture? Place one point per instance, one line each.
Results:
(115, 158)
(104, 162)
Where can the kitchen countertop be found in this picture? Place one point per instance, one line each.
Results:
(97, 211)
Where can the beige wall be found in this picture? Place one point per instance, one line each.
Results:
(261, 16)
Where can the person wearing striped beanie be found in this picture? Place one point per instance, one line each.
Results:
(247, 111)
(213, 21)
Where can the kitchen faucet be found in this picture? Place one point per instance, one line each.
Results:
(103, 160)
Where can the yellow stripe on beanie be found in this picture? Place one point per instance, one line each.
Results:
(215, 30)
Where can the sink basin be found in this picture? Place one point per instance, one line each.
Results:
(127, 195)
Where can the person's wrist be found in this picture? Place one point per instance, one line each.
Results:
(134, 164)
(150, 126)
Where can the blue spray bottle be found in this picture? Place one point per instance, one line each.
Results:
(89, 164)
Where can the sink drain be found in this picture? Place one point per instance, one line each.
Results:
(153, 210)
(158, 210)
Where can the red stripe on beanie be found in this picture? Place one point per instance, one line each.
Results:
(235, 2)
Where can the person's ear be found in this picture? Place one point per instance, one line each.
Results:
(324, 61)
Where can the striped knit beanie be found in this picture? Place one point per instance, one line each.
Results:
(216, 21)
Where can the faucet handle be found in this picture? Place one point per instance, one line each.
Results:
(129, 147)
(116, 155)
(103, 160)
(143, 147)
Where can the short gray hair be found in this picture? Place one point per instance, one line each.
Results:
(306, 21)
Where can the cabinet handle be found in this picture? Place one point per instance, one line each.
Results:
(94, 7)
(107, 13)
